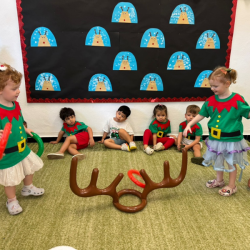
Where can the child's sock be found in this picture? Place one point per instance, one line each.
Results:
(10, 200)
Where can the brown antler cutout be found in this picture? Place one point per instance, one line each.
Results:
(92, 190)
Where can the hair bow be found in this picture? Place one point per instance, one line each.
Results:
(3, 67)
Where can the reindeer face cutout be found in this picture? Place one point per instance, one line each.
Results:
(152, 85)
(179, 61)
(125, 64)
(153, 38)
(183, 19)
(202, 80)
(125, 17)
(43, 40)
(182, 14)
(124, 12)
(179, 65)
(47, 85)
(98, 39)
(209, 43)
(205, 83)
(125, 60)
(42, 37)
(153, 43)
(100, 85)
(209, 39)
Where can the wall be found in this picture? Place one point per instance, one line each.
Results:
(43, 117)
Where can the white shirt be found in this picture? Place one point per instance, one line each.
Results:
(112, 127)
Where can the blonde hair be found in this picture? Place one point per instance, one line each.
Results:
(9, 73)
(193, 109)
(225, 74)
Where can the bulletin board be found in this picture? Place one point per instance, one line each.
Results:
(113, 51)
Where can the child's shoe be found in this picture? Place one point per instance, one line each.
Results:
(158, 146)
(79, 157)
(148, 150)
(197, 160)
(125, 147)
(227, 191)
(132, 145)
(214, 183)
(56, 155)
(14, 207)
(32, 190)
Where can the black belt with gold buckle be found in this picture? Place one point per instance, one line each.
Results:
(232, 134)
(11, 150)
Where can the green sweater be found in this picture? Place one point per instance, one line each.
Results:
(17, 137)
(226, 117)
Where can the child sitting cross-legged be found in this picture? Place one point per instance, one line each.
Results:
(121, 133)
(193, 140)
(79, 136)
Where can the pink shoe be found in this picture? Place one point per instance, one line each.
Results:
(214, 183)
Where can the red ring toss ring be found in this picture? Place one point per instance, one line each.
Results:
(5, 137)
(132, 178)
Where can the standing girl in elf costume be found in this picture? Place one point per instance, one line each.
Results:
(225, 142)
(156, 135)
(19, 162)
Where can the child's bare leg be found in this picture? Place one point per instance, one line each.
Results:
(219, 176)
(10, 192)
(124, 135)
(197, 150)
(109, 143)
(69, 140)
(72, 149)
(232, 177)
(28, 180)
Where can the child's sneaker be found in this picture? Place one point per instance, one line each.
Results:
(27, 190)
(79, 157)
(14, 207)
(56, 155)
(214, 183)
(197, 160)
(132, 145)
(148, 150)
(125, 147)
(158, 146)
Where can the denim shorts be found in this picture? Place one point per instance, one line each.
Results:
(118, 141)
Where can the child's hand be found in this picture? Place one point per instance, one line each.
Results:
(186, 130)
(53, 142)
(28, 131)
(91, 142)
(1, 134)
(102, 141)
(179, 146)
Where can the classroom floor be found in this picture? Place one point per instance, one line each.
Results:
(189, 216)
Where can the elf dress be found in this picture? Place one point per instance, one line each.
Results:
(18, 160)
(225, 142)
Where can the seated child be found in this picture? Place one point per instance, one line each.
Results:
(119, 130)
(194, 139)
(79, 136)
(156, 135)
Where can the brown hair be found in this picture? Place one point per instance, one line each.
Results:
(193, 109)
(225, 74)
(160, 107)
(9, 73)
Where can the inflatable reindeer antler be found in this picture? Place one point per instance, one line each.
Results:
(92, 190)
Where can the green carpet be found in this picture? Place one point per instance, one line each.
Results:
(189, 216)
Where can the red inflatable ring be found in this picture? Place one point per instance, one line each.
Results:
(5, 137)
(132, 178)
